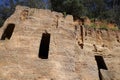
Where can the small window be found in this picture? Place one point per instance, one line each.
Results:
(44, 46)
(8, 32)
(100, 62)
(101, 65)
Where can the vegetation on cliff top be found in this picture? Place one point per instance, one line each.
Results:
(108, 10)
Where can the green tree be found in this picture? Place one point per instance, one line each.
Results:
(36, 3)
(74, 7)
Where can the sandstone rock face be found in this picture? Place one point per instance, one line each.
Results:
(45, 46)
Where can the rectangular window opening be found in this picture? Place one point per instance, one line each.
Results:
(44, 46)
(101, 65)
(8, 32)
(100, 62)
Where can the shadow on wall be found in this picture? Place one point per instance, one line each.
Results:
(8, 32)
(44, 46)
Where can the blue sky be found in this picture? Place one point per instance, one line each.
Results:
(6, 2)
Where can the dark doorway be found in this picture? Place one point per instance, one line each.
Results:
(101, 65)
(8, 32)
(44, 46)
(100, 62)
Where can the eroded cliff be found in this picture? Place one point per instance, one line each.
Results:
(39, 44)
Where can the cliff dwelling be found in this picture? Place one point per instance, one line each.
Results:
(44, 46)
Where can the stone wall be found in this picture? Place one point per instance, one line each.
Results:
(71, 51)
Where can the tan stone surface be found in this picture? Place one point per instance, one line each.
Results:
(67, 61)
